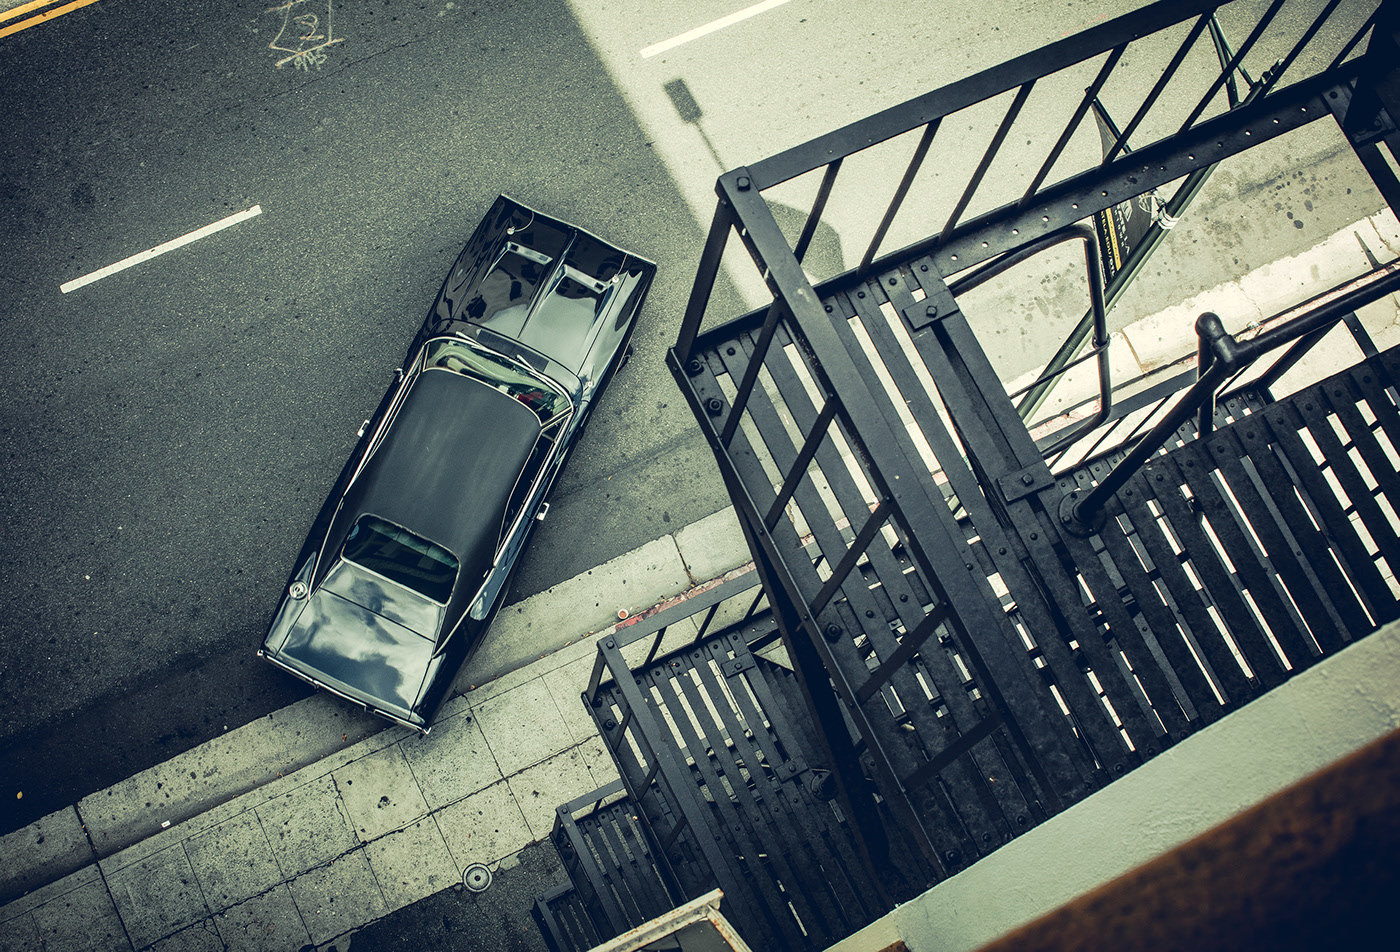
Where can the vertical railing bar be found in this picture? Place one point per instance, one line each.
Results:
(1223, 53)
(1359, 334)
(1101, 114)
(818, 206)
(1142, 424)
(799, 465)
(651, 774)
(655, 645)
(1230, 67)
(1205, 414)
(746, 385)
(1044, 377)
(1156, 91)
(614, 745)
(754, 604)
(1352, 43)
(1090, 94)
(705, 277)
(1084, 506)
(594, 680)
(1232, 381)
(852, 556)
(705, 625)
(1381, 172)
(1285, 361)
(1021, 96)
(677, 827)
(1306, 38)
(909, 646)
(910, 171)
(1103, 435)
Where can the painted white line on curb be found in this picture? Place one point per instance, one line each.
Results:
(711, 27)
(161, 249)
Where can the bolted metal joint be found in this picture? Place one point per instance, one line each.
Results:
(1075, 520)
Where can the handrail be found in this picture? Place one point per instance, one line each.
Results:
(1221, 355)
(1268, 110)
(1097, 316)
(987, 84)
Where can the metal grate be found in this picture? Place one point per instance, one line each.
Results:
(563, 919)
(1000, 646)
(716, 751)
(996, 665)
(606, 857)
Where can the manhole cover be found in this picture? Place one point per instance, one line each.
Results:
(476, 877)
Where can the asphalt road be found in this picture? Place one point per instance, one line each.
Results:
(169, 431)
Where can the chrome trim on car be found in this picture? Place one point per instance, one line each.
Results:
(420, 728)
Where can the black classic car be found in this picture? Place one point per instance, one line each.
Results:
(412, 553)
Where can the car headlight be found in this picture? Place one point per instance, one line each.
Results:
(298, 589)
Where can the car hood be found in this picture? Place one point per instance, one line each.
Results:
(357, 651)
(369, 591)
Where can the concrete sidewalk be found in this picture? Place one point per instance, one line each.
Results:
(292, 831)
(287, 832)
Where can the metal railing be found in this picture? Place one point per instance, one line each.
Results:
(1221, 359)
(1199, 142)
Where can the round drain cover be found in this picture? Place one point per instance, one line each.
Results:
(476, 877)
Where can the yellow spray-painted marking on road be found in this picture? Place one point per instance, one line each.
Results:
(35, 20)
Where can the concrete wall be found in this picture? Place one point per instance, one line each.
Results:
(1320, 716)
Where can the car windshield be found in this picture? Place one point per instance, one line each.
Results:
(500, 373)
(401, 556)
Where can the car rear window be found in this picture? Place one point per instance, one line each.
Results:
(401, 556)
(500, 373)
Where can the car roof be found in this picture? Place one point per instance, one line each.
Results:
(446, 468)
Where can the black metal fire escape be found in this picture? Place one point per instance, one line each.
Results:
(981, 624)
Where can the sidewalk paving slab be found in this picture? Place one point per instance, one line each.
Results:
(157, 896)
(412, 863)
(540, 789)
(232, 861)
(20, 934)
(81, 917)
(523, 726)
(267, 922)
(380, 793)
(484, 828)
(308, 826)
(337, 897)
(712, 546)
(442, 780)
(203, 936)
(45, 850)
